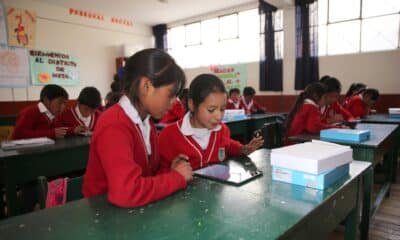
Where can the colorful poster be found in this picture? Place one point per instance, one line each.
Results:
(3, 26)
(53, 67)
(14, 67)
(233, 75)
(21, 27)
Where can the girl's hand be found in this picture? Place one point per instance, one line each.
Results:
(182, 166)
(80, 129)
(253, 145)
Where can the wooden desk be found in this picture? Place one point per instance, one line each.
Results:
(242, 129)
(261, 209)
(25, 165)
(382, 144)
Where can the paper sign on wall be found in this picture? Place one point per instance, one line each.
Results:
(53, 67)
(233, 75)
(21, 27)
(14, 67)
(3, 26)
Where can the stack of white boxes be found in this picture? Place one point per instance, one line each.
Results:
(314, 164)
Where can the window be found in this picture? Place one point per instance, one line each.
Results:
(278, 29)
(227, 39)
(351, 26)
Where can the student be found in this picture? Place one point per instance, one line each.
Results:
(354, 89)
(305, 116)
(124, 157)
(38, 120)
(360, 105)
(250, 105)
(201, 134)
(115, 94)
(83, 116)
(175, 113)
(234, 101)
(333, 111)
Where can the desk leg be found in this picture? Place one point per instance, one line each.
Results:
(351, 221)
(367, 186)
(395, 156)
(11, 194)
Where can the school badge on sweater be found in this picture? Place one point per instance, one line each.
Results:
(221, 154)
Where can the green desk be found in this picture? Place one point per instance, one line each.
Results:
(7, 120)
(25, 165)
(382, 144)
(242, 129)
(261, 209)
(380, 118)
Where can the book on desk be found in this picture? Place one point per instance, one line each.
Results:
(345, 135)
(314, 164)
(26, 143)
(394, 112)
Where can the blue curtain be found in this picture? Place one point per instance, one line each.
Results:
(307, 67)
(270, 66)
(160, 35)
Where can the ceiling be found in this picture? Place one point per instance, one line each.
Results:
(152, 12)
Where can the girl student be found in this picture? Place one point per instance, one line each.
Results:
(360, 105)
(124, 157)
(201, 134)
(305, 116)
(354, 89)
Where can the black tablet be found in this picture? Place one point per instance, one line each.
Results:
(231, 172)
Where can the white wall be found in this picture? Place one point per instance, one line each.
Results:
(95, 44)
(379, 70)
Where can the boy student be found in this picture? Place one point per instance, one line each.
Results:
(38, 120)
(333, 111)
(250, 105)
(234, 99)
(83, 116)
(360, 105)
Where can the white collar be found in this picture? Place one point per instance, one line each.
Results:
(133, 114)
(43, 109)
(309, 101)
(248, 106)
(188, 130)
(85, 120)
(236, 104)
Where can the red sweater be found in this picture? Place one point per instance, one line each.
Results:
(356, 106)
(31, 123)
(175, 113)
(119, 166)
(70, 119)
(219, 141)
(254, 108)
(230, 105)
(307, 120)
(335, 108)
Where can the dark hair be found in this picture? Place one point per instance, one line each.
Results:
(156, 65)
(202, 86)
(90, 97)
(372, 92)
(112, 98)
(249, 91)
(355, 88)
(234, 90)
(331, 83)
(53, 91)
(313, 91)
(183, 96)
(116, 86)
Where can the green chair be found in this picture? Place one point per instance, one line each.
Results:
(74, 189)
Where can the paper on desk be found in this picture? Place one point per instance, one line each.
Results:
(27, 142)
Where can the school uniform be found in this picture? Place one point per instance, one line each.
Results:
(201, 145)
(34, 121)
(72, 118)
(233, 105)
(175, 113)
(333, 109)
(307, 120)
(252, 107)
(356, 106)
(124, 160)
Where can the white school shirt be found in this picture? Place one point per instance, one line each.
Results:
(43, 109)
(200, 135)
(133, 114)
(85, 120)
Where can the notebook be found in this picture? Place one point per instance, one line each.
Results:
(232, 172)
(26, 143)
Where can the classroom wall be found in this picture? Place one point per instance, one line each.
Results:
(377, 69)
(96, 45)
